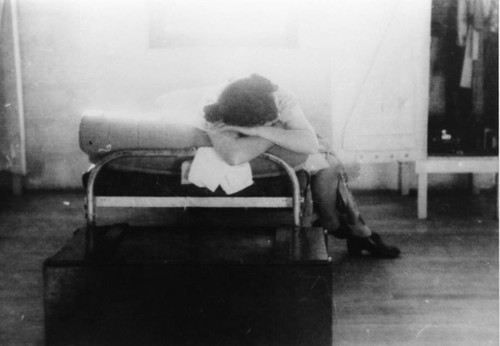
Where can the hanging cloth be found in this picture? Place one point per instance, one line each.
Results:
(473, 24)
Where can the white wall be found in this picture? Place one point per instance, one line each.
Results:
(83, 54)
(80, 54)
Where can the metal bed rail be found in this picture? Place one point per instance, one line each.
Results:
(93, 201)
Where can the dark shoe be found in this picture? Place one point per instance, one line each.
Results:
(373, 245)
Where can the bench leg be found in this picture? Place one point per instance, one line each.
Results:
(422, 195)
(474, 188)
(404, 178)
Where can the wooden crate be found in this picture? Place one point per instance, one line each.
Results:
(191, 287)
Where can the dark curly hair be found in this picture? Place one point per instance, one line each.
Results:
(245, 102)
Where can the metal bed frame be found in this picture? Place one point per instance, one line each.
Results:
(295, 202)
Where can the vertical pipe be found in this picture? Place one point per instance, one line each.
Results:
(19, 84)
(422, 194)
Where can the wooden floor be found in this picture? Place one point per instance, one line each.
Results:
(442, 291)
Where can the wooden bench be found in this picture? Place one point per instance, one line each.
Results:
(447, 165)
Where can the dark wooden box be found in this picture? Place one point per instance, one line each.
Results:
(191, 287)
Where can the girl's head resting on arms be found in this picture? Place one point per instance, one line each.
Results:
(245, 102)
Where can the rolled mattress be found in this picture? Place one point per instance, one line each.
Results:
(103, 132)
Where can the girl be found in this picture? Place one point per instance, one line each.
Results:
(251, 115)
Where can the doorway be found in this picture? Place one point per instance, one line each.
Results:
(463, 106)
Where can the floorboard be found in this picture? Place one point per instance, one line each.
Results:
(442, 291)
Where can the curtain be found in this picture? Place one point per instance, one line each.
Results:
(12, 142)
(477, 24)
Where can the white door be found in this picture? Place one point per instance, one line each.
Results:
(380, 79)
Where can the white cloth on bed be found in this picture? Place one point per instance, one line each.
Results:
(211, 171)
